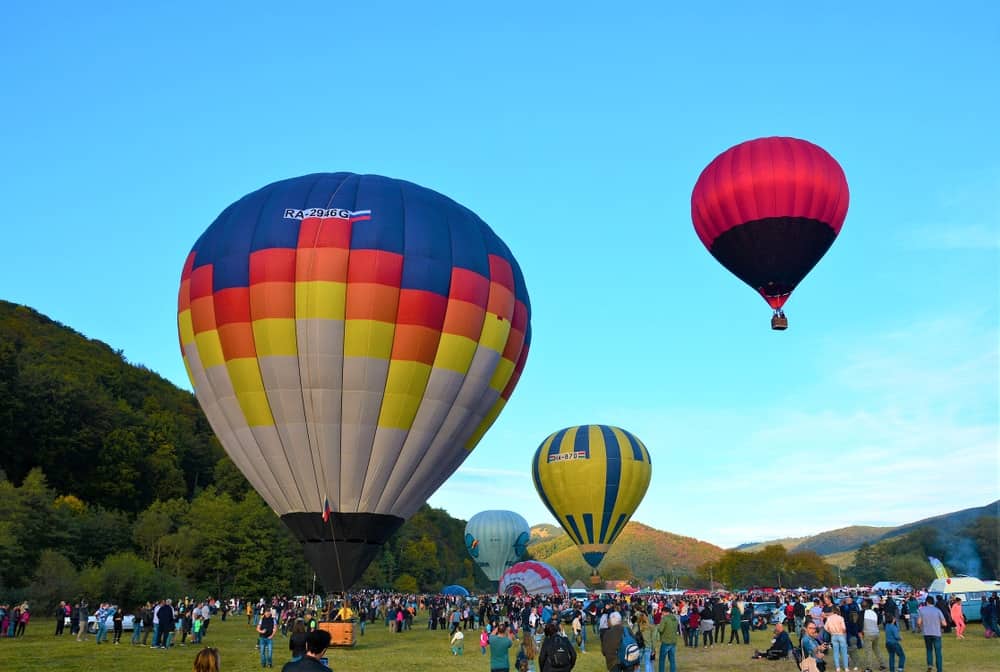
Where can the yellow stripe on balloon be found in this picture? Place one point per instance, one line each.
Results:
(275, 337)
(495, 333)
(320, 300)
(184, 327)
(404, 390)
(244, 373)
(454, 353)
(502, 374)
(368, 338)
(209, 348)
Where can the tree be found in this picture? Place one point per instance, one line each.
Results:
(154, 525)
(406, 583)
(55, 579)
(870, 563)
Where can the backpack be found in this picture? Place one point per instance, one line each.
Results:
(560, 658)
(629, 651)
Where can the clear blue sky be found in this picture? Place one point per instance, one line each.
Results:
(577, 130)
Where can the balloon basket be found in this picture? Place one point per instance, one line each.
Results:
(341, 633)
(779, 322)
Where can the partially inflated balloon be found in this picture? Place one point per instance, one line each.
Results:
(592, 478)
(350, 339)
(496, 540)
(532, 578)
(768, 210)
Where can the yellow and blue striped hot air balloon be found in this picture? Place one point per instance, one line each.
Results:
(592, 478)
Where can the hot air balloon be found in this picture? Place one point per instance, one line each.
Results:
(350, 339)
(496, 540)
(592, 478)
(768, 210)
(532, 578)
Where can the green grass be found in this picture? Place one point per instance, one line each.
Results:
(420, 650)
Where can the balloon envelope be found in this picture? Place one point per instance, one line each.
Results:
(350, 339)
(592, 478)
(768, 210)
(496, 540)
(532, 578)
(461, 591)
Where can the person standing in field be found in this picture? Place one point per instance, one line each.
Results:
(265, 640)
(958, 618)
(931, 620)
(667, 632)
(500, 644)
(894, 644)
(836, 627)
(870, 635)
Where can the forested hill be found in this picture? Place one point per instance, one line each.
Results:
(112, 485)
(640, 552)
(109, 432)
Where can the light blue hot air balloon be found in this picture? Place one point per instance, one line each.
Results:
(496, 540)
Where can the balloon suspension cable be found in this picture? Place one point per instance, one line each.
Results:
(336, 553)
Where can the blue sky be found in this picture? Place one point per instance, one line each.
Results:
(577, 130)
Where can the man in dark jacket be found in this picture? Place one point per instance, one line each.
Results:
(165, 616)
(719, 616)
(557, 653)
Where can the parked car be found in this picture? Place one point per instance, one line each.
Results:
(128, 622)
(764, 614)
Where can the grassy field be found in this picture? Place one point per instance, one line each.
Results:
(420, 650)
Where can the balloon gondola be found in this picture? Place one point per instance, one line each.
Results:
(768, 210)
(350, 339)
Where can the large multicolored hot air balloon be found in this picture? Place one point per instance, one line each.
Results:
(532, 578)
(496, 540)
(592, 478)
(768, 210)
(350, 339)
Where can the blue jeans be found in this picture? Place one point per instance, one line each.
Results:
(102, 631)
(839, 643)
(894, 650)
(933, 645)
(668, 651)
(136, 631)
(266, 651)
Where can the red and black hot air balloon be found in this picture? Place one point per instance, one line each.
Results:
(768, 210)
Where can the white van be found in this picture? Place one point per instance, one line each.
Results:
(968, 588)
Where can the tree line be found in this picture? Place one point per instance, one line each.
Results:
(113, 486)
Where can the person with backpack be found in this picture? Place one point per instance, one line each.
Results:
(621, 651)
(557, 653)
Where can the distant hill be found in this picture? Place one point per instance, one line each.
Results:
(834, 544)
(645, 552)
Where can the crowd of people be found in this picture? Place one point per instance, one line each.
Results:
(823, 631)
(14, 619)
